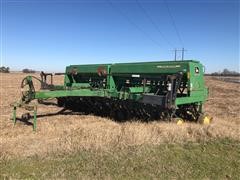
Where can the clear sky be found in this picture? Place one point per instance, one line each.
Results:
(51, 34)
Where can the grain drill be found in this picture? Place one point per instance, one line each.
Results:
(144, 90)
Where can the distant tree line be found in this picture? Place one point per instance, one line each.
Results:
(225, 72)
(4, 69)
(28, 70)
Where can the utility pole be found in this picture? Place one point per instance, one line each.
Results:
(175, 58)
(183, 54)
(175, 53)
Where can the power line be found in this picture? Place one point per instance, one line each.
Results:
(153, 23)
(132, 22)
(173, 22)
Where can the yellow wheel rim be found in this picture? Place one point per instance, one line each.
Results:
(207, 120)
(179, 122)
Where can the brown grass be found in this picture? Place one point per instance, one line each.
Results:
(68, 133)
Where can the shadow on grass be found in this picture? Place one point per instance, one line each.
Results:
(61, 112)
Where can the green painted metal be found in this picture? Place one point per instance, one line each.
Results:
(35, 118)
(128, 81)
(14, 114)
(116, 75)
(66, 93)
(166, 67)
(139, 89)
(86, 69)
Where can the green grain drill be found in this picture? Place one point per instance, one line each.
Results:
(144, 90)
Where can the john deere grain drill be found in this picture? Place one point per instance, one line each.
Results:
(145, 90)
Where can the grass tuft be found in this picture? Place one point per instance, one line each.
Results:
(219, 159)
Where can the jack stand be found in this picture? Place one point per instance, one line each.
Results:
(28, 108)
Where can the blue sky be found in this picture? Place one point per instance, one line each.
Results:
(51, 34)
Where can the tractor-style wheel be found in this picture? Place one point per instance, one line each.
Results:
(27, 89)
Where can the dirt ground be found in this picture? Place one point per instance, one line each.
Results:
(66, 133)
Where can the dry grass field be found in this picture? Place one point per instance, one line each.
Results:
(66, 133)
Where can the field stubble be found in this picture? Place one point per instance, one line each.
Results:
(65, 133)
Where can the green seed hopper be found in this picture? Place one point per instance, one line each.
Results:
(122, 91)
